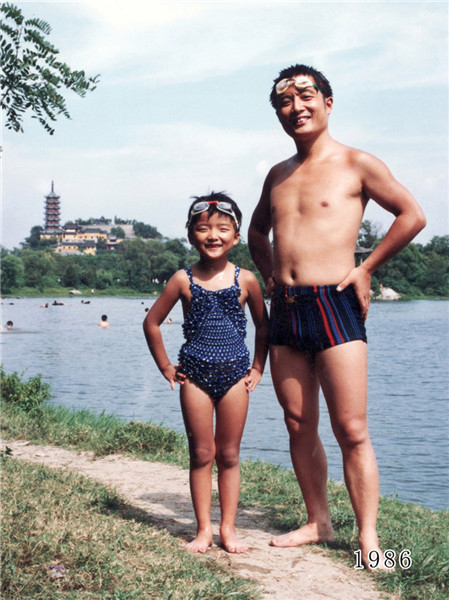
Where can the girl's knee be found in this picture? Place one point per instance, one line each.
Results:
(202, 456)
(227, 458)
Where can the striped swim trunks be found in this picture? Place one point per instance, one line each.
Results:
(314, 318)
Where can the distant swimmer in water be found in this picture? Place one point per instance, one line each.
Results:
(9, 325)
(104, 321)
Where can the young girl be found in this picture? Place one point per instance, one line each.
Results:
(214, 369)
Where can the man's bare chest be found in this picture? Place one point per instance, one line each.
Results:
(312, 191)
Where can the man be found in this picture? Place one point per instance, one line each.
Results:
(314, 202)
(104, 322)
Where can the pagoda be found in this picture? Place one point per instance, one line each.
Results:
(52, 209)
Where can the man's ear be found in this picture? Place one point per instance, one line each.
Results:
(329, 103)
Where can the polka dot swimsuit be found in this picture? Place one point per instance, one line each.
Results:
(214, 355)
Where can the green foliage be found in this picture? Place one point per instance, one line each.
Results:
(143, 264)
(418, 270)
(12, 273)
(118, 232)
(35, 242)
(26, 414)
(37, 264)
(369, 234)
(32, 74)
(439, 245)
(93, 221)
(119, 221)
(23, 395)
(145, 231)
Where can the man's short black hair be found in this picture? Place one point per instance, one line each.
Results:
(214, 197)
(294, 70)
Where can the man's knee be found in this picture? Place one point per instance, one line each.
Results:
(352, 432)
(300, 426)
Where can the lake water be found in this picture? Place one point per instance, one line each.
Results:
(111, 370)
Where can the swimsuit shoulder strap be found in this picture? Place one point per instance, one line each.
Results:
(189, 274)
(237, 273)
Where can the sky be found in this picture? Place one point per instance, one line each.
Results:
(182, 106)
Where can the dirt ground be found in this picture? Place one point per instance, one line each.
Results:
(163, 492)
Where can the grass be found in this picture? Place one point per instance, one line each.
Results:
(401, 526)
(104, 548)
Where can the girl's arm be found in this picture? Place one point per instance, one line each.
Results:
(152, 330)
(260, 319)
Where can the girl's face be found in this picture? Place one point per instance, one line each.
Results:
(214, 236)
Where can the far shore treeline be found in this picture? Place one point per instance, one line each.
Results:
(144, 264)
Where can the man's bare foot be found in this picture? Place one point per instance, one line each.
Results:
(373, 558)
(230, 541)
(201, 543)
(308, 534)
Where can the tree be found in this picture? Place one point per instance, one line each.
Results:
(37, 263)
(145, 231)
(34, 240)
(439, 245)
(165, 265)
(369, 234)
(119, 232)
(32, 75)
(12, 273)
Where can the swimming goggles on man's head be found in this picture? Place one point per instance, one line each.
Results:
(300, 83)
(203, 205)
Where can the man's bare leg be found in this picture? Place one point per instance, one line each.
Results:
(296, 384)
(343, 376)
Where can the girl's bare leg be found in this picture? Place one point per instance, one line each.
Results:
(231, 412)
(197, 410)
(296, 384)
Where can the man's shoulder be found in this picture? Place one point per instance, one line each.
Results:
(284, 164)
(356, 156)
(281, 169)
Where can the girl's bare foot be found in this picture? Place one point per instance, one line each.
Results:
(201, 543)
(230, 541)
(311, 533)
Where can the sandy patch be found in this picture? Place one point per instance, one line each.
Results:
(162, 491)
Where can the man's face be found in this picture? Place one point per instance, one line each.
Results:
(302, 108)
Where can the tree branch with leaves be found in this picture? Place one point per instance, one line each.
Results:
(33, 77)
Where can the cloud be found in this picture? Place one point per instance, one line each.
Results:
(151, 178)
(153, 43)
(147, 139)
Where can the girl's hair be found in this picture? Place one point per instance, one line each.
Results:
(212, 209)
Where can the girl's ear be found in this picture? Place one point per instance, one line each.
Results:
(236, 238)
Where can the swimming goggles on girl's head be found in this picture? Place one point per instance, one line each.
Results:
(300, 83)
(224, 207)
